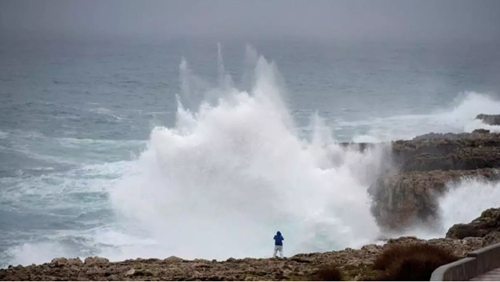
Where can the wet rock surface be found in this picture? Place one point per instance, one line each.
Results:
(486, 225)
(489, 119)
(448, 151)
(412, 197)
(423, 166)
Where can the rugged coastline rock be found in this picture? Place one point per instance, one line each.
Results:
(489, 119)
(435, 151)
(448, 151)
(488, 224)
(356, 264)
(409, 193)
(407, 198)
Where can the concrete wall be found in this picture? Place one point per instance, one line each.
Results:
(460, 270)
(476, 263)
(488, 258)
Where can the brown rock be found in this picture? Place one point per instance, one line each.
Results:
(75, 261)
(448, 151)
(481, 131)
(492, 238)
(173, 259)
(96, 261)
(488, 222)
(461, 159)
(356, 263)
(411, 197)
(371, 248)
(59, 261)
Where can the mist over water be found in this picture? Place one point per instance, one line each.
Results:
(237, 165)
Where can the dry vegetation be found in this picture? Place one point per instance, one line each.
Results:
(411, 262)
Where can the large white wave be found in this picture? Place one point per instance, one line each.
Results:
(232, 173)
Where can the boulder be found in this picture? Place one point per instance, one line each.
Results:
(96, 261)
(492, 238)
(173, 259)
(65, 261)
(489, 119)
(59, 261)
(488, 223)
(481, 131)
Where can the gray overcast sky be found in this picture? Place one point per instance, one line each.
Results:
(321, 19)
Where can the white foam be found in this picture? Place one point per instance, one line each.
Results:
(37, 253)
(457, 117)
(52, 189)
(466, 200)
(105, 112)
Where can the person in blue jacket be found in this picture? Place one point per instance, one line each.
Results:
(278, 244)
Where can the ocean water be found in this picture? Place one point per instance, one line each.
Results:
(192, 148)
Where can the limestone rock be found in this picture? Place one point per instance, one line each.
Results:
(96, 261)
(59, 261)
(487, 223)
(131, 272)
(173, 259)
(411, 197)
(492, 238)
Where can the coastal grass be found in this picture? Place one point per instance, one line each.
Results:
(414, 262)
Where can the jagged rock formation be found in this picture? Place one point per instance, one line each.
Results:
(448, 151)
(486, 225)
(489, 119)
(412, 197)
(425, 165)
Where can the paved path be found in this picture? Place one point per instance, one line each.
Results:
(493, 275)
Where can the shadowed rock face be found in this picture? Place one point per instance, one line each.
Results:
(448, 151)
(424, 166)
(488, 224)
(412, 197)
(489, 119)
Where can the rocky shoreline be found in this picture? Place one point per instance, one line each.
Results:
(355, 264)
(402, 196)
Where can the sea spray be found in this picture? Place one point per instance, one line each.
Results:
(466, 199)
(457, 117)
(228, 175)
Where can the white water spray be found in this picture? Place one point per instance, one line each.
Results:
(467, 199)
(229, 175)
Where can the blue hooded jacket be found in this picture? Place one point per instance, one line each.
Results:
(278, 239)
